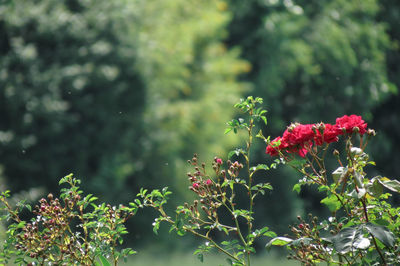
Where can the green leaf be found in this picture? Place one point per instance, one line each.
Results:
(104, 261)
(270, 234)
(392, 185)
(358, 195)
(264, 119)
(261, 167)
(297, 188)
(298, 242)
(200, 257)
(297, 162)
(350, 238)
(278, 241)
(339, 174)
(358, 178)
(381, 233)
(227, 130)
(374, 187)
(332, 203)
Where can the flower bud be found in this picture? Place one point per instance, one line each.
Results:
(371, 132)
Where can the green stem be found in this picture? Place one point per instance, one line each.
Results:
(250, 182)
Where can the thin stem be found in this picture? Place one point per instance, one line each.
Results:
(250, 181)
(373, 238)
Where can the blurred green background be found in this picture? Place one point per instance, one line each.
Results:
(121, 93)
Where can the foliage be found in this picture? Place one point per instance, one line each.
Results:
(363, 226)
(71, 229)
(314, 60)
(68, 90)
(191, 82)
(109, 90)
(217, 194)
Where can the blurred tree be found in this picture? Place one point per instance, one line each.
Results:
(191, 82)
(70, 98)
(312, 61)
(387, 114)
(121, 93)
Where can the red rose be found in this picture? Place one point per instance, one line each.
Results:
(275, 146)
(298, 134)
(350, 123)
(329, 134)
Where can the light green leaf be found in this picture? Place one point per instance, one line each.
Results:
(332, 203)
(278, 241)
(297, 188)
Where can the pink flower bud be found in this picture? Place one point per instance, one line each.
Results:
(195, 185)
(218, 161)
(208, 182)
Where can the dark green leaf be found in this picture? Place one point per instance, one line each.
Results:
(381, 233)
(297, 162)
(104, 261)
(200, 257)
(349, 239)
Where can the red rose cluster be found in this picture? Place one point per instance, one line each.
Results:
(298, 138)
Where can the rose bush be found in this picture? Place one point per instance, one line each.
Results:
(363, 227)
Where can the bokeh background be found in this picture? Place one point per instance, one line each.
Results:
(121, 93)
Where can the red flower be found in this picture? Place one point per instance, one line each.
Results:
(350, 123)
(208, 182)
(275, 146)
(218, 161)
(298, 134)
(195, 185)
(329, 134)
